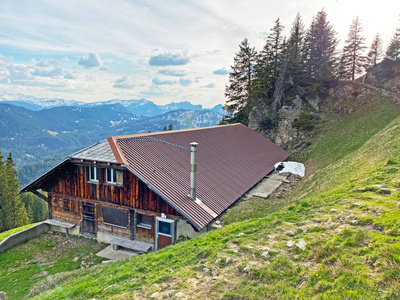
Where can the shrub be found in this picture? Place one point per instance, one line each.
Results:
(305, 121)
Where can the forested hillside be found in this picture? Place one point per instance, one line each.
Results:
(50, 134)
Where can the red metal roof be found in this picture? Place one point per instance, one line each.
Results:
(230, 160)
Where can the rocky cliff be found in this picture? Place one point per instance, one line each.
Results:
(291, 127)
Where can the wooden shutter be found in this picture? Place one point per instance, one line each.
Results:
(120, 177)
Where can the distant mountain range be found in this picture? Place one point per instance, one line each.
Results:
(33, 128)
(140, 107)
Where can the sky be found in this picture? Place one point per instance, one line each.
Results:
(163, 51)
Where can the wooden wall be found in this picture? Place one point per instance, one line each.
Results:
(72, 180)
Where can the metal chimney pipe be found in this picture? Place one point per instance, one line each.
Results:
(193, 171)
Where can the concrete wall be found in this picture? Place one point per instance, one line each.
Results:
(183, 228)
(24, 235)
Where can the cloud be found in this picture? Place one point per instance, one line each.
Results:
(170, 72)
(158, 81)
(261, 34)
(91, 61)
(123, 83)
(19, 72)
(44, 72)
(209, 86)
(184, 82)
(46, 62)
(170, 58)
(220, 72)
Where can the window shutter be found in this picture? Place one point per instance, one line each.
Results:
(120, 177)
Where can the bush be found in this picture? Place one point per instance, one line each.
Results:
(267, 123)
(305, 121)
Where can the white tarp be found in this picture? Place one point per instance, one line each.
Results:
(290, 167)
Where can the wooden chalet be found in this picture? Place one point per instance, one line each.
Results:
(156, 187)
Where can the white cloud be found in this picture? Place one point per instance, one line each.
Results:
(158, 81)
(170, 72)
(93, 60)
(123, 83)
(170, 58)
(46, 72)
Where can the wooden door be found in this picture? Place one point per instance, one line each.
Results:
(165, 232)
(88, 219)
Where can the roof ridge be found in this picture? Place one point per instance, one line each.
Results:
(118, 137)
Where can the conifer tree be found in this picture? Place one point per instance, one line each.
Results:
(295, 49)
(260, 89)
(393, 50)
(240, 78)
(276, 47)
(353, 59)
(267, 65)
(320, 51)
(12, 211)
(375, 52)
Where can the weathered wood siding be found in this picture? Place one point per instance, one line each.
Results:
(65, 208)
(72, 180)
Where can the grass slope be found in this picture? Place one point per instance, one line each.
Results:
(25, 266)
(350, 230)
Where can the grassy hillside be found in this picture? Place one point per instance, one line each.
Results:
(336, 236)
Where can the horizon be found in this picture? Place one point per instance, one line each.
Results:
(90, 52)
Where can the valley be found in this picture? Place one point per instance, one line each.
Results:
(53, 130)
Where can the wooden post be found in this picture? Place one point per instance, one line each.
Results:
(2, 296)
(49, 206)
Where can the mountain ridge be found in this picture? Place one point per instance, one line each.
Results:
(141, 106)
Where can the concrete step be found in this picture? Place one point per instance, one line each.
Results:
(111, 254)
(138, 246)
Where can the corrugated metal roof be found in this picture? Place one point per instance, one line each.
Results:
(230, 160)
(98, 152)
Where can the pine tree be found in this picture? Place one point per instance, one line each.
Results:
(320, 51)
(240, 78)
(13, 212)
(375, 52)
(393, 50)
(295, 49)
(261, 88)
(268, 63)
(353, 58)
(276, 47)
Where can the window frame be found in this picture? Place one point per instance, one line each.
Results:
(95, 179)
(113, 176)
(122, 215)
(144, 225)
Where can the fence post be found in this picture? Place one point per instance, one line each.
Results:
(2, 296)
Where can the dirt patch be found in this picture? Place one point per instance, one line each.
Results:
(61, 244)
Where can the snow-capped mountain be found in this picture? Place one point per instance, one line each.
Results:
(140, 107)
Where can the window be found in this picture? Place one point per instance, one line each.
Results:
(66, 205)
(115, 216)
(145, 221)
(93, 174)
(111, 176)
(164, 227)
